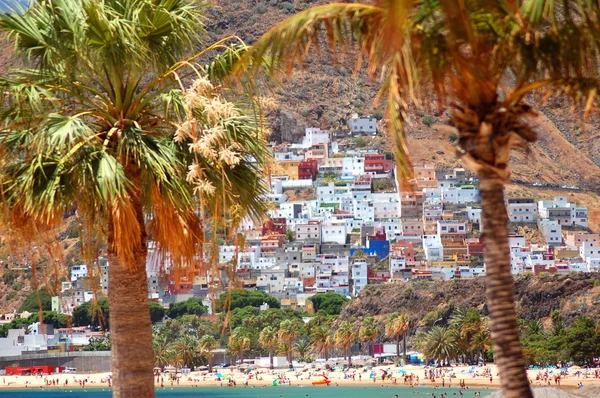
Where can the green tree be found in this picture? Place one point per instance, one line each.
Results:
(239, 342)
(241, 298)
(269, 339)
(157, 312)
(34, 299)
(89, 125)
(583, 340)
(207, 345)
(329, 303)
(97, 344)
(303, 347)
(190, 306)
(288, 331)
(186, 351)
(345, 336)
(322, 339)
(52, 318)
(443, 48)
(163, 350)
(396, 326)
(93, 312)
(368, 332)
(439, 343)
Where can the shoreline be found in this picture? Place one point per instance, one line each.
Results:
(478, 379)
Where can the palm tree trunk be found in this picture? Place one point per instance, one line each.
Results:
(500, 288)
(210, 359)
(271, 358)
(404, 347)
(349, 355)
(398, 345)
(130, 326)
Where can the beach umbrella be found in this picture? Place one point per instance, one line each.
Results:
(358, 363)
(373, 360)
(202, 367)
(388, 362)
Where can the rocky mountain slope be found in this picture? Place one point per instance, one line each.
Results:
(324, 95)
(536, 297)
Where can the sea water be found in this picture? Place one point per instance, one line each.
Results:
(258, 392)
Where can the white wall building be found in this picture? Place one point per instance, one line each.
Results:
(522, 210)
(334, 233)
(551, 231)
(363, 124)
(359, 275)
(313, 136)
(432, 247)
(460, 195)
(78, 271)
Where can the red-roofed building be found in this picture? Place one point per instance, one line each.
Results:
(307, 170)
(278, 225)
(377, 163)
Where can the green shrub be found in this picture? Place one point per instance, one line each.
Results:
(428, 120)
(286, 6)
(260, 8)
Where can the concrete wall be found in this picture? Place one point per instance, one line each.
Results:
(83, 361)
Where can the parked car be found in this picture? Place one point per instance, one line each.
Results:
(70, 370)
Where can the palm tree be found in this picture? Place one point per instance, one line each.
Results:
(89, 126)
(302, 347)
(368, 332)
(461, 52)
(396, 327)
(239, 343)
(186, 351)
(322, 339)
(439, 343)
(163, 353)
(532, 326)
(288, 331)
(345, 336)
(268, 338)
(208, 344)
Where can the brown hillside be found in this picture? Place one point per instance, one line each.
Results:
(536, 297)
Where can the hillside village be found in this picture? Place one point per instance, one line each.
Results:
(340, 221)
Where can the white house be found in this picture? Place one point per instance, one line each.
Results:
(522, 210)
(359, 275)
(354, 165)
(313, 136)
(335, 232)
(363, 124)
(589, 250)
(460, 195)
(551, 231)
(432, 247)
(78, 271)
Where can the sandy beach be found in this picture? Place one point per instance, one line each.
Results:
(479, 377)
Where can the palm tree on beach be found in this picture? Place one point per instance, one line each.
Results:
(439, 343)
(288, 331)
(481, 59)
(345, 336)
(321, 337)
(163, 352)
(89, 125)
(186, 351)
(396, 327)
(207, 345)
(303, 347)
(238, 343)
(268, 338)
(368, 332)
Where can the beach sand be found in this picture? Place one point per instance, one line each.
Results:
(472, 377)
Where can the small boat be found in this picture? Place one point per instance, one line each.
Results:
(325, 381)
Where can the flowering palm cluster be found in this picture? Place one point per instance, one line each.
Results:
(209, 119)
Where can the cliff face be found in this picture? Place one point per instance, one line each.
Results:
(536, 297)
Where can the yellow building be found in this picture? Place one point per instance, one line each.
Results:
(290, 168)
